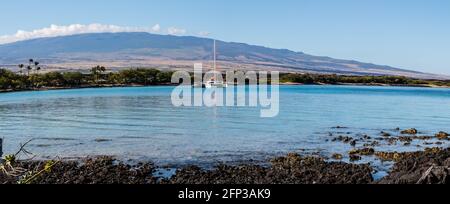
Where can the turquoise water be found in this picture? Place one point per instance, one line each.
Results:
(141, 123)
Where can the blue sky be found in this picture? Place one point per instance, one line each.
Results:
(411, 34)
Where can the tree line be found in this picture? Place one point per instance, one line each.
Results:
(29, 78)
(341, 79)
(96, 77)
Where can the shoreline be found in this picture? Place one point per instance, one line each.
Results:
(83, 87)
(423, 167)
(159, 85)
(369, 85)
(429, 165)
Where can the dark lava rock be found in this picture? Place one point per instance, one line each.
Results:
(422, 137)
(102, 140)
(372, 144)
(339, 127)
(411, 131)
(337, 157)
(405, 139)
(363, 152)
(385, 134)
(429, 167)
(344, 139)
(399, 156)
(292, 169)
(354, 157)
(103, 170)
(442, 135)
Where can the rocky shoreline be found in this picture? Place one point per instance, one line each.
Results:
(429, 166)
(426, 167)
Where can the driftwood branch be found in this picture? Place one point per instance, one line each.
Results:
(7, 167)
(22, 149)
(425, 175)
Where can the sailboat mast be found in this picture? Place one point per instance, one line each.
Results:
(215, 63)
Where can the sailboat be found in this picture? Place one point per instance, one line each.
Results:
(213, 82)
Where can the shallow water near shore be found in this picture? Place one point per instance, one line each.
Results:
(140, 123)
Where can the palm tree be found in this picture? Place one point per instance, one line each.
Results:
(36, 64)
(29, 68)
(96, 71)
(21, 68)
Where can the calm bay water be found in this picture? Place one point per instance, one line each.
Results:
(141, 123)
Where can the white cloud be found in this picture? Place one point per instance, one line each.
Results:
(176, 31)
(56, 30)
(204, 33)
(156, 28)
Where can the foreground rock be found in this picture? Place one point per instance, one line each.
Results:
(292, 169)
(428, 167)
(104, 170)
(431, 166)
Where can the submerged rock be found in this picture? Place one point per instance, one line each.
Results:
(372, 144)
(405, 139)
(344, 139)
(337, 156)
(385, 134)
(442, 135)
(339, 127)
(411, 131)
(99, 140)
(422, 137)
(355, 157)
(363, 152)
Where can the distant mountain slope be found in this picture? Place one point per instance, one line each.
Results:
(119, 50)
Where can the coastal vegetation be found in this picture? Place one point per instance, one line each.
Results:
(30, 78)
(365, 80)
(97, 77)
